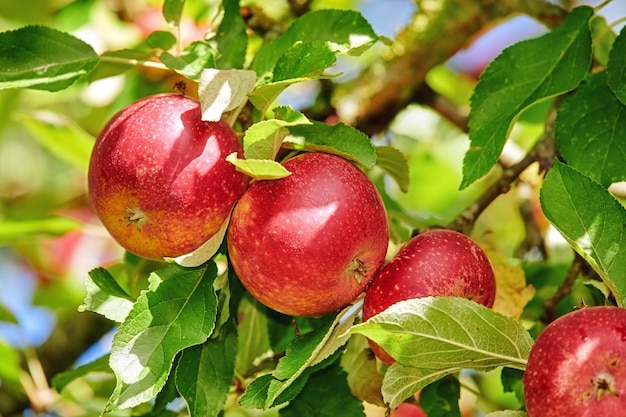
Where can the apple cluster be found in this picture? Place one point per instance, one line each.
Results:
(305, 245)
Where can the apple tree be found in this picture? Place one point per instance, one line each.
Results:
(294, 149)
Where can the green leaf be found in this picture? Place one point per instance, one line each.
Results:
(11, 230)
(161, 39)
(204, 374)
(231, 37)
(441, 398)
(60, 136)
(591, 220)
(190, 63)
(302, 356)
(524, 74)
(43, 58)
(340, 139)
(616, 66)
(343, 31)
(433, 337)
(590, 131)
(105, 296)
(262, 140)
(173, 11)
(259, 169)
(325, 392)
(177, 311)
(304, 60)
(61, 380)
(395, 164)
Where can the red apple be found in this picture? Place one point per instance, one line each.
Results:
(433, 263)
(576, 366)
(308, 244)
(408, 410)
(158, 178)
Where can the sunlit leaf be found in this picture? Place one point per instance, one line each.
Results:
(173, 11)
(343, 31)
(223, 90)
(262, 140)
(43, 58)
(395, 164)
(433, 337)
(523, 74)
(105, 296)
(340, 139)
(259, 169)
(592, 221)
(177, 311)
(11, 230)
(192, 61)
(101, 364)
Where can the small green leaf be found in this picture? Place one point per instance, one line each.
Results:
(231, 37)
(223, 90)
(262, 140)
(105, 296)
(161, 39)
(433, 337)
(10, 366)
(177, 311)
(204, 374)
(43, 58)
(11, 230)
(173, 11)
(61, 136)
(592, 221)
(603, 38)
(340, 139)
(61, 380)
(259, 169)
(523, 74)
(590, 131)
(325, 392)
(616, 67)
(190, 63)
(343, 31)
(394, 163)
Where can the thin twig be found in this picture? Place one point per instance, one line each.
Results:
(579, 266)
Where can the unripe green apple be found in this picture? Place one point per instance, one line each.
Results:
(308, 244)
(158, 178)
(434, 263)
(576, 366)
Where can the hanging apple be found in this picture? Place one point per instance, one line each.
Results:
(158, 178)
(576, 366)
(434, 263)
(309, 243)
